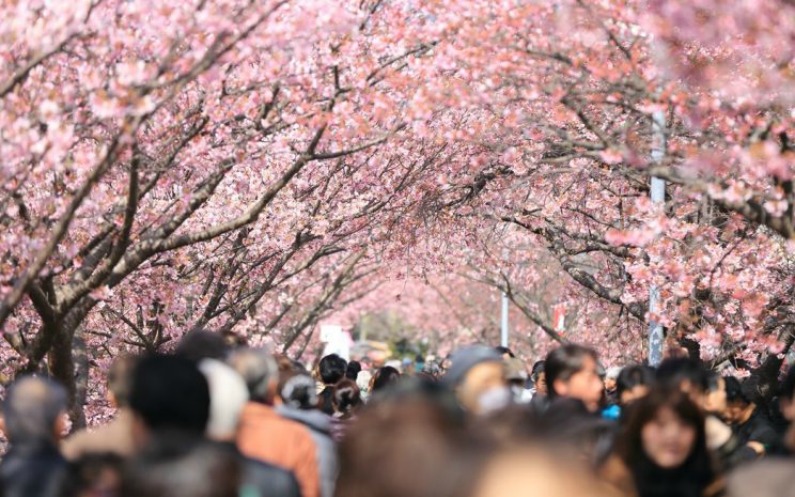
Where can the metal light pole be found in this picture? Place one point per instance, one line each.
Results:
(504, 321)
(657, 197)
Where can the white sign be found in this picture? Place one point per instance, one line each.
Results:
(337, 341)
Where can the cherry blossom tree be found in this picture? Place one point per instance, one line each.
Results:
(252, 166)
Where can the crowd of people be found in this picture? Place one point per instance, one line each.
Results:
(209, 420)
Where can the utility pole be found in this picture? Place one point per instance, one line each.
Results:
(504, 321)
(657, 197)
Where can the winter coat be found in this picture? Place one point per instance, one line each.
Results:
(265, 435)
(115, 438)
(320, 427)
(33, 470)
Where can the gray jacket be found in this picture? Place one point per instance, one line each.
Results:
(319, 425)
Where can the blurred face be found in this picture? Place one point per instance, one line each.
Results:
(610, 384)
(715, 400)
(585, 385)
(667, 439)
(735, 412)
(541, 383)
(633, 394)
(787, 407)
(479, 381)
(527, 473)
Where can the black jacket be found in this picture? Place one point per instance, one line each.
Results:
(759, 428)
(32, 470)
(261, 479)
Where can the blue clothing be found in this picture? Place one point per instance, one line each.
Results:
(612, 413)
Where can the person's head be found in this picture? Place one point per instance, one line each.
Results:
(665, 435)
(353, 370)
(539, 377)
(298, 391)
(477, 374)
(505, 352)
(715, 397)
(633, 382)
(611, 376)
(169, 393)
(228, 396)
(568, 424)
(259, 371)
(201, 344)
(402, 444)
(34, 411)
(175, 466)
(346, 398)
(516, 373)
(383, 378)
(534, 471)
(737, 403)
(332, 369)
(120, 380)
(573, 371)
(684, 374)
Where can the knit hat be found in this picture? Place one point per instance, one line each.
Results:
(463, 360)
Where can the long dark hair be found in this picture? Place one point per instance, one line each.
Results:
(688, 480)
(384, 377)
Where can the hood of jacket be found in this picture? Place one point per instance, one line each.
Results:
(314, 419)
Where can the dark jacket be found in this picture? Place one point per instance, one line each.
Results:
(759, 428)
(32, 470)
(261, 479)
(266, 480)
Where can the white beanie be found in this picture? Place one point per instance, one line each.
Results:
(228, 396)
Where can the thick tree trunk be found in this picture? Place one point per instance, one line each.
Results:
(82, 370)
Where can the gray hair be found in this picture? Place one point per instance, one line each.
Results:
(258, 369)
(31, 409)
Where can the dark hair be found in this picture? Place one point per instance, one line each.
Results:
(504, 350)
(384, 377)
(332, 369)
(673, 372)
(424, 423)
(634, 376)
(713, 381)
(120, 378)
(175, 466)
(538, 368)
(695, 474)
(201, 344)
(170, 393)
(734, 391)
(347, 397)
(353, 370)
(564, 362)
(568, 423)
(90, 474)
